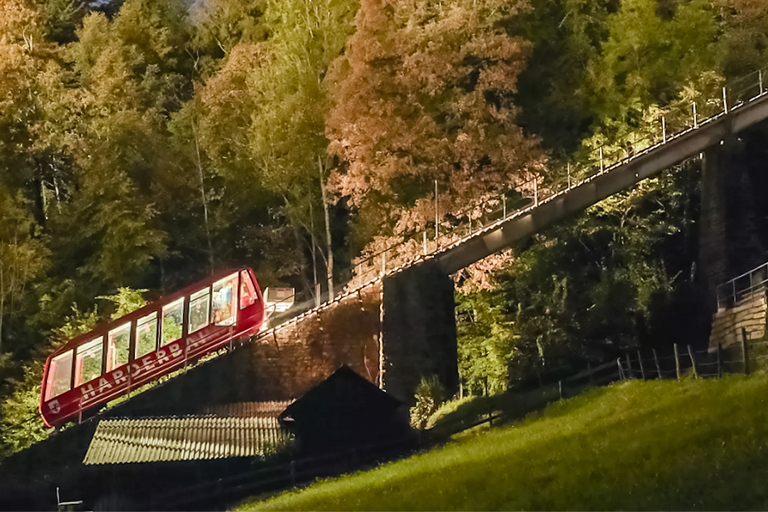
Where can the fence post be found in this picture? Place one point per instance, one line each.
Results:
(425, 242)
(621, 371)
(560, 388)
(629, 368)
(569, 175)
(745, 350)
(640, 360)
(760, 73)
(504, 206)
(719, 368)
(664, 129)
(677, 361)
(535, 192)
(693, 362)
(656, 360)
(725, 100)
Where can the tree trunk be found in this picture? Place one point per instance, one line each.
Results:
(314, 252)
(2, 306)
(327, 231)
(205, 200)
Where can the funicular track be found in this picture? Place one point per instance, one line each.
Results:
(656, 148)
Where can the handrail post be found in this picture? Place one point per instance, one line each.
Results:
(425, 242)
(535, 192)
(664, 129)
(725, 101)
(437, 217)
(695, 116)
(569, 175)
(760, 73)
(504, 206)
(602, 167)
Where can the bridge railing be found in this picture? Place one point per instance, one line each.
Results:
(659, 127)
(743, 287)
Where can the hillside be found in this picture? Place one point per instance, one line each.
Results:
(699, 444)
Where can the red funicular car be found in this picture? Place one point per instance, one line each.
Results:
(120, 356)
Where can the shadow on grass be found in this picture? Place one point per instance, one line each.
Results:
(506, 408)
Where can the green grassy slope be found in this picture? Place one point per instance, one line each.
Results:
(699, 444)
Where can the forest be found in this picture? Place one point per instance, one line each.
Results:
(145, 144)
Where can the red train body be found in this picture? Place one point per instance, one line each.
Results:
(140, 347)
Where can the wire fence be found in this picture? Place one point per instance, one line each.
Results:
(280, 476)
(683, 361)
(660, 127)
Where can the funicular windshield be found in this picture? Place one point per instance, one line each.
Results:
(139, 337)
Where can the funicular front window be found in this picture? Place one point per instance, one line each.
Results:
(146, 335)
(119, 343)
(88, 361)
(199, 303)
(59, 375)
(173, 315)
(248, 294)
(224, 300)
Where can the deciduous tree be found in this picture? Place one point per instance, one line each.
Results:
(423, 93)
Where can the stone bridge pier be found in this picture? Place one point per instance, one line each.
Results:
(419, 330)
(733, 223)
(393, 332)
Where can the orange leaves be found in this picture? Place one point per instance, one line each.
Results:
(423, 94)
(19, 22)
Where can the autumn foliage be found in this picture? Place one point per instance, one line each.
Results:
(425, 92)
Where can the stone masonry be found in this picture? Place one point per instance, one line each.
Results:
(727, 323)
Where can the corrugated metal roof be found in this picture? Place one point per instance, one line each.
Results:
(248, 409)
(124, 441)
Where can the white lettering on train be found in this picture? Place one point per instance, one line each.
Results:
(162, 357)
(104, 385)
(147, 362)
(175, 350)
(88, 391)
(120, 377)
(135, 370)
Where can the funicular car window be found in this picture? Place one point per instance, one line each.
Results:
(199, 304)
(247, 290)
(118, 346)
(59, 375)
(88, 361)
(224, 300)
(146, 335)
(172, 321)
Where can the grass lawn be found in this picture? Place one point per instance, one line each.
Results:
(698, 444)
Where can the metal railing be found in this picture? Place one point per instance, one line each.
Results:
(662, 127)
(659, 127)
(743, 287)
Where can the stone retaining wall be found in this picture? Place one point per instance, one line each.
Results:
(727, 323)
